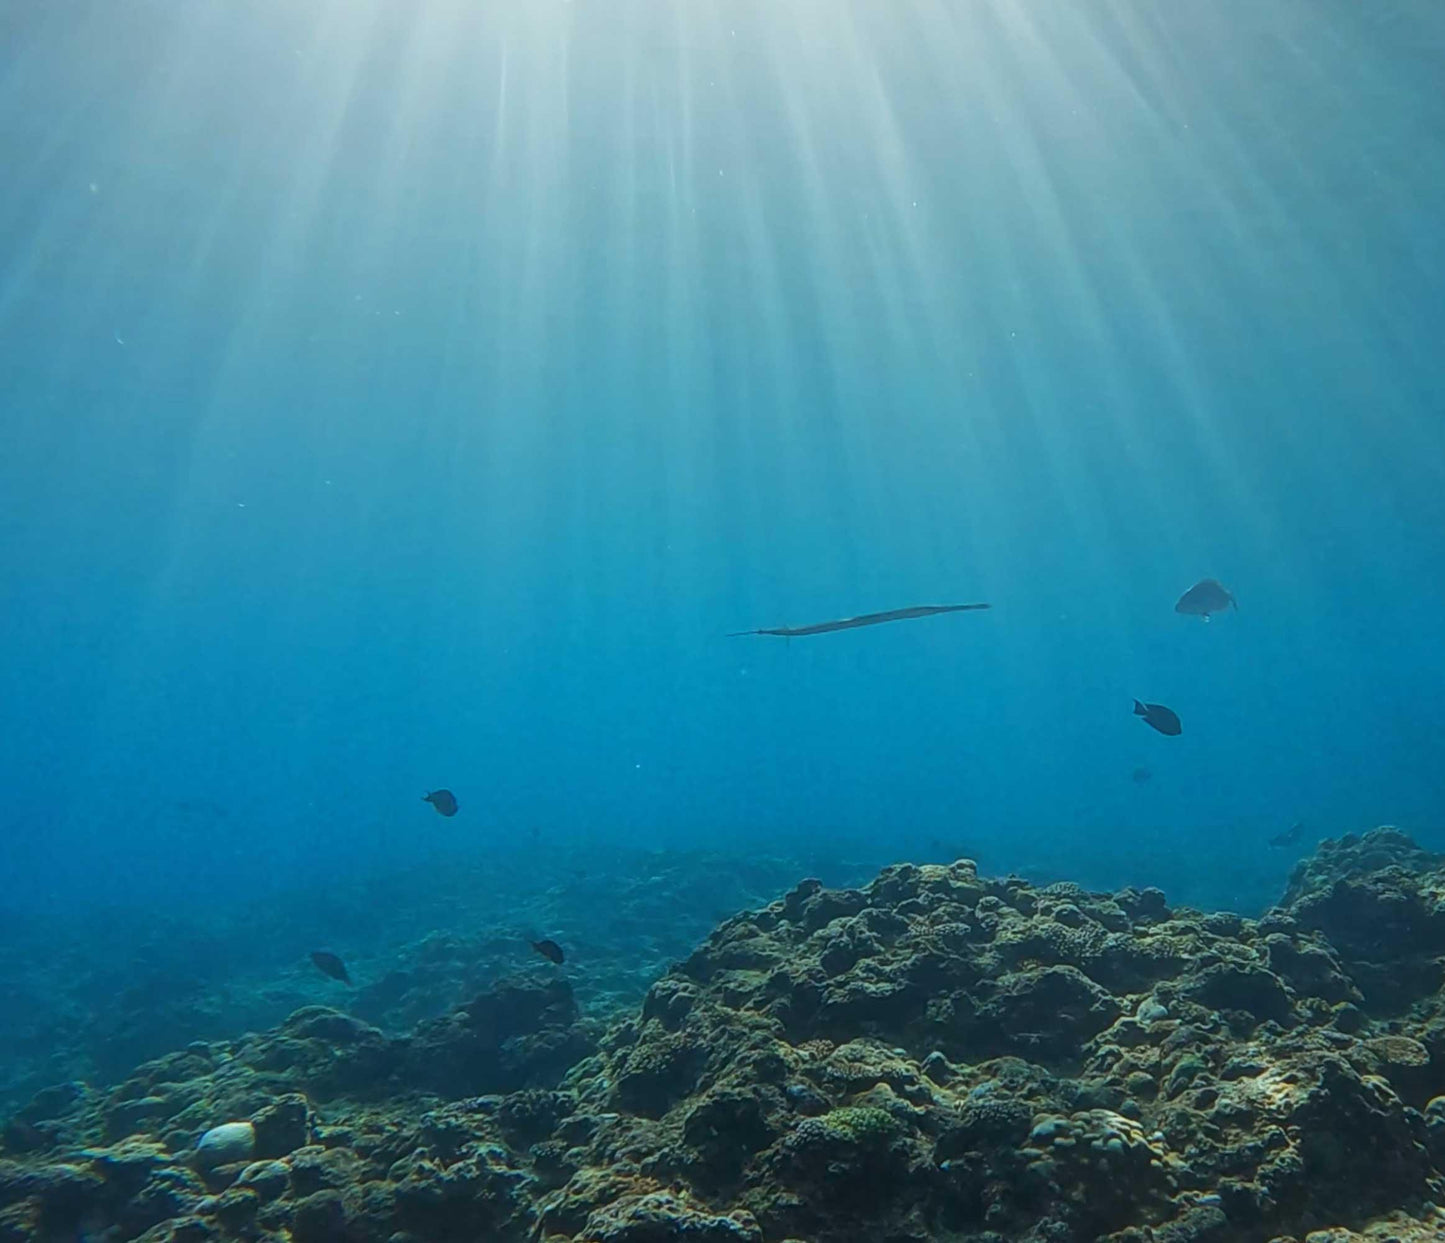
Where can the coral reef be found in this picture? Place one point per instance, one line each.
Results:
(92, 999)
(935, 1055)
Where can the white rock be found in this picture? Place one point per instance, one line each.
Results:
(1150, 1011)
(226, 1144)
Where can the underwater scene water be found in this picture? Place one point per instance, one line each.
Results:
(496, 403)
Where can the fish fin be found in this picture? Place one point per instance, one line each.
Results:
(1140, 709)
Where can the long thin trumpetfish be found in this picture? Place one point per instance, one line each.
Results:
(867, 619)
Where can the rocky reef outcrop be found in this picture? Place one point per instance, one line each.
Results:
(88, 995)
(934, 1056)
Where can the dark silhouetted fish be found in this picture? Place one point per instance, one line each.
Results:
(443, 800)
(329, 964)
(1290, 836)
(549, 950)
(1141, 775)
(1207, 596)
(866, 619)
(1165, 720)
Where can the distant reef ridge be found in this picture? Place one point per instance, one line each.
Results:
(935, 1055)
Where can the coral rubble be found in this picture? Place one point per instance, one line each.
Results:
(935, 1056)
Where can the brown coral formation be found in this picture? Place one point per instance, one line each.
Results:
(935, 1056)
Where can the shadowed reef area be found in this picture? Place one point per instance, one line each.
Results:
(935, 1055)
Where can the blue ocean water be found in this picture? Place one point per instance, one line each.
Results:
(399, 396)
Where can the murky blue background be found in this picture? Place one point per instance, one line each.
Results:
(405, 395)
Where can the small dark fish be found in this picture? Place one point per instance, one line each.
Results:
(866, 619)
(549, 950)
(1290, 836)
(443, 800)
(1207, 596)
(329, 964)
(1165, 720)
(1141, 775)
